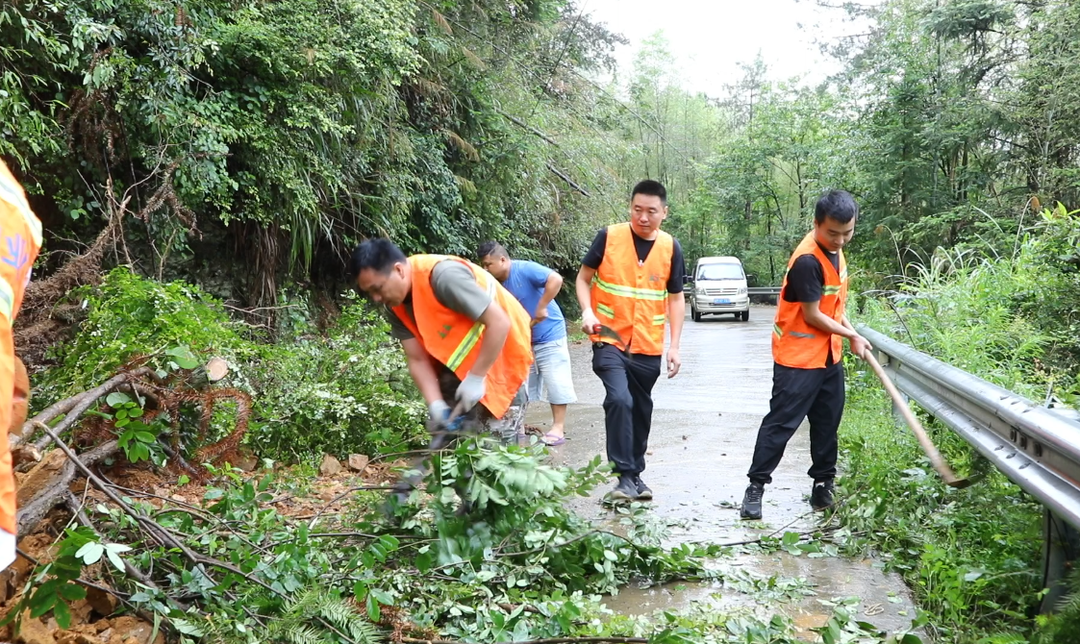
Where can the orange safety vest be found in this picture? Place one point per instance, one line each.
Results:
(21, 232)
(454, 340)
(630, 296)
(797, 344)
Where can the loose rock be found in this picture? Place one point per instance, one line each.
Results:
(330, 466)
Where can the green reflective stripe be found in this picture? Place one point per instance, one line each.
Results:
(659, 319)
(606, 310)
(629, 291)
(472, 337)
(776, 329)
(831, 290)
(797, 334)
(7, 299)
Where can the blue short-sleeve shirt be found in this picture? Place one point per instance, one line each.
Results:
(526, 283)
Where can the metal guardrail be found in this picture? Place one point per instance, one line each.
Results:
(763, 290)
(1035, 447)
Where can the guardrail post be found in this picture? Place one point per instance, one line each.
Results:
(1061, 545)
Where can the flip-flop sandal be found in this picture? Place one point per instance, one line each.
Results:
(552, 440)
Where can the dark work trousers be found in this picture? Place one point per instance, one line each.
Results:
(814, 394)
(628, 381)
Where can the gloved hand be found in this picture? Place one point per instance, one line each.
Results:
(470, 391)
(438, 413)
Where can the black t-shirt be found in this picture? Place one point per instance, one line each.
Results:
(806, 279)
(642, 246)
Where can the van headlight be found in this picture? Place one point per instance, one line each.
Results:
(742, 290)
(699, 291)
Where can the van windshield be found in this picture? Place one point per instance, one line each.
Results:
(720, 272)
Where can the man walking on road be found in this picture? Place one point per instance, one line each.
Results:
(465, 337)
(807, 347)
(630, 282)
(536, 286)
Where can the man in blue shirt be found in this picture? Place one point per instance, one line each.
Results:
(536, 286)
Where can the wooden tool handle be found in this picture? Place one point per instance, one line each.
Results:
(927, 445)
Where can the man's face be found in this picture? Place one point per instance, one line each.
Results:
(390, 288)
(646, 213)
(497, 265)
(832, 234)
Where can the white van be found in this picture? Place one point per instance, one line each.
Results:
(719, 287)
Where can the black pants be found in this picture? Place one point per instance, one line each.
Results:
(815, 394)
(628, 405)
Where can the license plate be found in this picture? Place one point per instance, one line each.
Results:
(721, 300)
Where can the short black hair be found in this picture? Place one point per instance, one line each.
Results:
(378, 254)
(837, 204)
(650, 187)
(491, 248)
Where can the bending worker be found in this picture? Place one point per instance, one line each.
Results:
(807, 347)
(535, 286)
(22, 241)
(466, 338)
(631, 281)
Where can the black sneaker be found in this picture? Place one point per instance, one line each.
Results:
(625, 490)
(821, 496)
(751, 501)
(644, 493)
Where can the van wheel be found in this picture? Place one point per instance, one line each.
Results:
(746, 315)
(695, 315)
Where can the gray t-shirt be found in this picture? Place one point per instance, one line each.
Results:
(455, 288)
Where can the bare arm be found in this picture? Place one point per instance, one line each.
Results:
(583, 286)
(552, 285)
(496, 328)
(551, 288)
(676, 315)
(421, 370)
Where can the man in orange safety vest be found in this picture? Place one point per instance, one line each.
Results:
(807, 348)
(631, 282)
(466, 338)
(21, 232)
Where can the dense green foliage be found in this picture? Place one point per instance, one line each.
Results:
(291, 129)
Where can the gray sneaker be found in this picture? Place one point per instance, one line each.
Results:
(644, 493)
(625, 490)
(751, 501)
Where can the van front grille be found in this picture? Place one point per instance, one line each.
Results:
(721, 291)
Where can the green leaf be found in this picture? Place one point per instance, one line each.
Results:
(113, 551)
(116, 399)
(183, 357)
(91, 553)
(72, 592)
(62, 614)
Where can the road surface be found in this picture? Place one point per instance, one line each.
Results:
(704, 425)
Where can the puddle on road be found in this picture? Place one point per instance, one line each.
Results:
(796, 586)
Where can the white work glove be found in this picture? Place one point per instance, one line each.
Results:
(470, 391)
(438, 412)
(7, 549)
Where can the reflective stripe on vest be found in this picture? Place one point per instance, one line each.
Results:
(471, 338)
(795, 343)
(631, 296)
(7, 300)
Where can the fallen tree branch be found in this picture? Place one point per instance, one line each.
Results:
(74, 407)
(32, 512)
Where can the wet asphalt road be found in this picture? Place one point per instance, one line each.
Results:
(705, 423)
